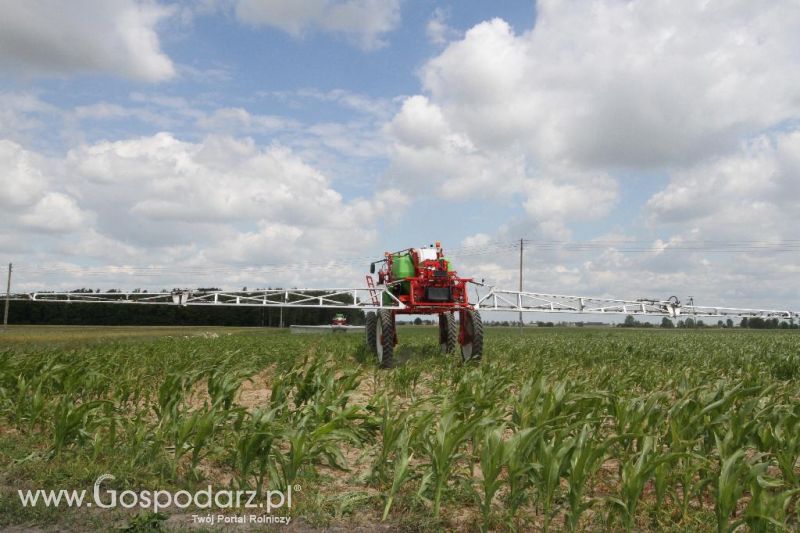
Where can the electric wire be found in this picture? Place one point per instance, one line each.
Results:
(157, 271)
(490, 248)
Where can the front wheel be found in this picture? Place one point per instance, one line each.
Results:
(471, 336)
(370, 325)
(448, 332)
(384, 338)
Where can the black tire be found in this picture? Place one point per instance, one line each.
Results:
(370, 323)
(448, 332)
(384, 338)
(472, 348)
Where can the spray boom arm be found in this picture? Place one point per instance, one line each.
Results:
(518, 301)
(373, 298)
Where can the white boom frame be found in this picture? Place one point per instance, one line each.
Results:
(533, 302)
(358, 298)
(373, 298)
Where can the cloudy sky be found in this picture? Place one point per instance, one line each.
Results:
(641, 148)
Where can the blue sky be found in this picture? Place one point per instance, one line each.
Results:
(245, 142)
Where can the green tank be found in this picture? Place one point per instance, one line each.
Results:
(402, 266)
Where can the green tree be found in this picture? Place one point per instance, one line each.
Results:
(667, 323)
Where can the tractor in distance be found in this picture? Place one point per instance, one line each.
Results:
(339, 320)
(423, 280)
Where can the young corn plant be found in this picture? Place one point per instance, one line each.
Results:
(404, 380)
(441, 446)
(172, 391)
(786, 446)
(309, 441)
(554, 457)
(30, 402)
(768, 505)
(521, 469)
(479, 394)
(636, 472)
(494, 455)
(402, 472)
(74, 423)
(392, 426)
(587, 456)
(207, 424)
(728, 484)
(223, 384)
(144, 444)
(538, 402)
(635, 418)
(180, 433)
(256, 434)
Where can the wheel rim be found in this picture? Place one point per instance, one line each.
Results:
(442, 334)
(379, 339)
(448, 333)
(466, 351)
(469, 330)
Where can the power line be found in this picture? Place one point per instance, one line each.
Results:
(630, 246)
(491, 248)
(154, 271)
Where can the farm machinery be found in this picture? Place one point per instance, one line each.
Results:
(423, 281)
(337, 325)
(416, 281)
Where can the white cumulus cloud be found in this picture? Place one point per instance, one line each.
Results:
(224, 195)
(363, 21)
(29, 195)
(48, 37)
(212, 204)
(623, 83)
(754, 192)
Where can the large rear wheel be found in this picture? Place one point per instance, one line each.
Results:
(370, 323)
(448, 332)
(471, 336)
(384, 338)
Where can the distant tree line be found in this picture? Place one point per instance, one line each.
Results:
(769, 323)
(691, 323)
(631, 322)
(131, 314)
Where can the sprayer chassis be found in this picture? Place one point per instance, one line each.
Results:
(434, 289)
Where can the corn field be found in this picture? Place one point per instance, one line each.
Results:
(576, 430)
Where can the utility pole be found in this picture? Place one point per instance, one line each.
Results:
(520, 281)
(8, 298)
